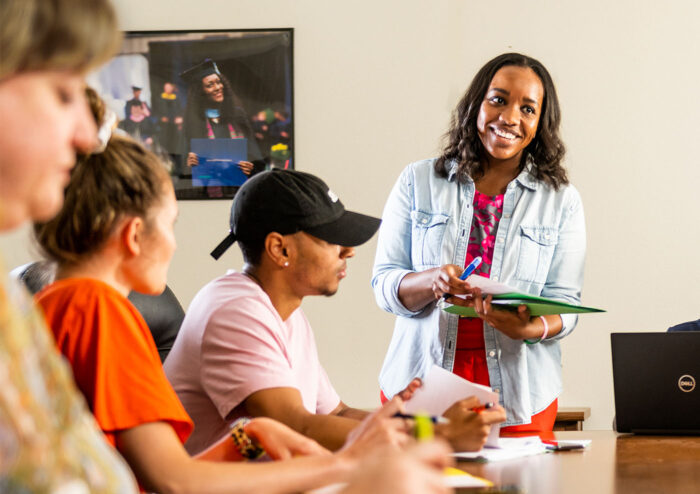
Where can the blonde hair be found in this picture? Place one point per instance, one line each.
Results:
(75, 35)
(124, 180)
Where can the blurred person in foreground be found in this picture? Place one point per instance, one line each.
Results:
(49, 441)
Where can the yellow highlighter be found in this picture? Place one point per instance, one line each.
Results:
(423, 430)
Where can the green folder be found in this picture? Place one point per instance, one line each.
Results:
(539, 306)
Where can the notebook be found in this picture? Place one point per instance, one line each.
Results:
(657, 378)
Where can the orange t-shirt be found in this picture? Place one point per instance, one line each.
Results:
(114, 359)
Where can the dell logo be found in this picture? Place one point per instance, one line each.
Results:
(686, 383)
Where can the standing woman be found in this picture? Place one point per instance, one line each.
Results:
(498, 191)
(214, 112)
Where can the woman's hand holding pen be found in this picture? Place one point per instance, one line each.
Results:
(470, 424)
(447, 282)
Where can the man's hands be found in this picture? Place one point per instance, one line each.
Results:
(467, 430)
(379, 430)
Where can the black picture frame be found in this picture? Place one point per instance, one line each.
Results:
(155, 100)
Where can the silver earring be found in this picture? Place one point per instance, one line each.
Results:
(286, 264)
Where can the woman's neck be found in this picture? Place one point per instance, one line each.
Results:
(96, 268)
(497, 175)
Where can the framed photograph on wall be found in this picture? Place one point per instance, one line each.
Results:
(216, 106)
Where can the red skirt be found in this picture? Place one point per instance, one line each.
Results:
(470, 363)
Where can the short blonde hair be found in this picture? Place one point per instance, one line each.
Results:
(75, 35)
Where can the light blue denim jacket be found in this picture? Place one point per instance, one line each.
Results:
(540, 249)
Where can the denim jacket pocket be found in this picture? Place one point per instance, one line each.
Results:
(428, 231)
(537, 244)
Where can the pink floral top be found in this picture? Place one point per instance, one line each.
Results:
(482, 238)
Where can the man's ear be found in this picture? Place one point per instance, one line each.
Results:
(132, 235)
(276, 247)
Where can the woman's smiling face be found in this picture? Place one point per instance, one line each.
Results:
(213, 88)
(510, 112)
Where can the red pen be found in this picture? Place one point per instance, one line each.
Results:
(483, 407)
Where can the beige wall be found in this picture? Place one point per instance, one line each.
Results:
(375, 82)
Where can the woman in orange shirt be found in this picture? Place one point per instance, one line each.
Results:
(115, 234)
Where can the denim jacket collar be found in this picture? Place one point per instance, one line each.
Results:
(524, 178)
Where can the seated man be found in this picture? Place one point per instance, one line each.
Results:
(246, 348)
(686, 326)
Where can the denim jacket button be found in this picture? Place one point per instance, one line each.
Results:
(492, 353)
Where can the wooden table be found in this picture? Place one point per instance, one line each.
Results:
(613, 463)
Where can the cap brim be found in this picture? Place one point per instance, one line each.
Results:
(350, 230)
(223, 246)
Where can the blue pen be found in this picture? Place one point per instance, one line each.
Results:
(467, 271)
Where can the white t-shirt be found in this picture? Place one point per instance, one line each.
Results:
(233, 343)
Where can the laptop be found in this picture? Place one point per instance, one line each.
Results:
(657, 382)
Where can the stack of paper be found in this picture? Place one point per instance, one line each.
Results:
(508, 298)
(507, 449)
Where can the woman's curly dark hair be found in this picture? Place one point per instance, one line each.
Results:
(546, 150)
(231, 108)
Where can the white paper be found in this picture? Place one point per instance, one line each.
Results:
(508, 448)
(488, 286)
(441, 389)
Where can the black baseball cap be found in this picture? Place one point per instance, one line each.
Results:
(287, 201)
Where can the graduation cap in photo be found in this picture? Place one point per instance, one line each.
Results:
(135, 88)
(200, 71)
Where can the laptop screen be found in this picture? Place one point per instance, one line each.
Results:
(657, 382)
